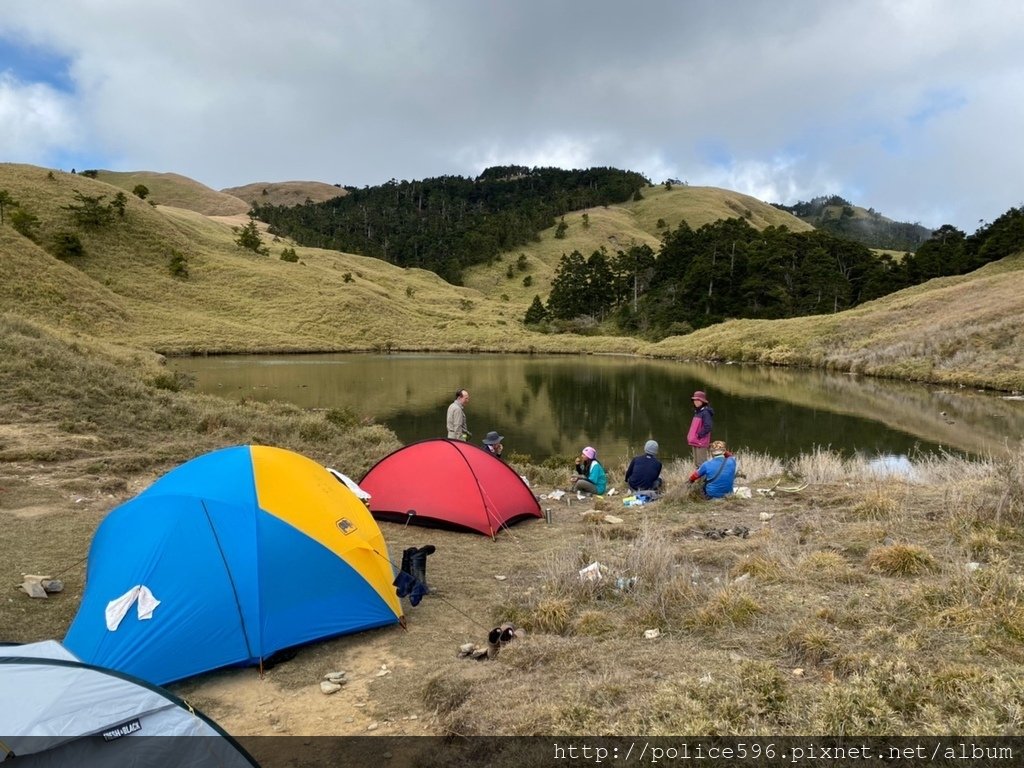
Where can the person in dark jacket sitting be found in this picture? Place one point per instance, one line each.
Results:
(492, 444)
(644, 472)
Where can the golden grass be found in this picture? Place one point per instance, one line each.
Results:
(698, 206)
(614, 228)
(960, 330)
(233, 299)
(878, 505)
(901, 560)
(954, 330)
(285, 192)
(178, 191)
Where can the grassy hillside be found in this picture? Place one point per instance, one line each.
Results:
(619, 227)
(867, 226)
(960, 330)
(954, 330)
(234, 299)
(285, 192)
(178, 191)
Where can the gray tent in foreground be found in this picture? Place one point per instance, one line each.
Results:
(57, 711)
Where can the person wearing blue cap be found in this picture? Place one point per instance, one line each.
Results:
(644, 472)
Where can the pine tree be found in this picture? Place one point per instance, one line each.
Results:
(536, 313)
(568, 297)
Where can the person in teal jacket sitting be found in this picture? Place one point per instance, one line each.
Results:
(590, 476)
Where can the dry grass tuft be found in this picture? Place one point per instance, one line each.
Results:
(755, 466)
(812, 645)
(901, 560)
(445, 692)
(820, 467)
(827, 567)
(729, 606)
(760, 566)
(878, 505)
(593, 623)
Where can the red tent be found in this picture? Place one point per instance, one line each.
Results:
(448, 483)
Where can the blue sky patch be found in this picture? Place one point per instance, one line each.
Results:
(935, 103)
(715, 153)
(32, 64)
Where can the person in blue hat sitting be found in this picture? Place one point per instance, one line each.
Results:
(644, 472)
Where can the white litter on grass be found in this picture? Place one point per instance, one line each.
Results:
(743, 492)
(651, 634)
(556, 495)
(592, 572)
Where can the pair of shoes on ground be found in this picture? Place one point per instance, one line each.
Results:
(496, 638)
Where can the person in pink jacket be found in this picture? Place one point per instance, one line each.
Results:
(699, 436)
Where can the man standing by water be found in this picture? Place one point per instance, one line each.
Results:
(457, 428)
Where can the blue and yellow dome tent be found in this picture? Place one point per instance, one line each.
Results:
(246, 551)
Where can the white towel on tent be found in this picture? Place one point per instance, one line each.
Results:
(147, 603)
(350, 484)
(118, 608)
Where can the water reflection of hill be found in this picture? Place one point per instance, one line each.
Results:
(552, 405)
(961, 418)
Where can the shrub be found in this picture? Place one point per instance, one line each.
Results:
(67, 245)
(178, 265)
(289, 255)
(25, 223)
(342, 417)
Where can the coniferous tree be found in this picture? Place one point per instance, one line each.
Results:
(5, 201)
(568, 297)
(249, 236)
(536, 313)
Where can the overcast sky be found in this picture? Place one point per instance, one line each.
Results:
(913, 108)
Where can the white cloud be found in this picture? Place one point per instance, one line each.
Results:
(909, 108)
(35, 119)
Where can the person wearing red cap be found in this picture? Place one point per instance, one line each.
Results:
(699, 436)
